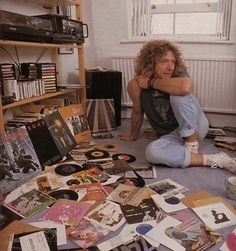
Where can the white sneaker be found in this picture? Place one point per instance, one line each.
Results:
(193, 148)
(222, 160)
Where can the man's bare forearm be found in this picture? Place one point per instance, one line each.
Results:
(174, 86)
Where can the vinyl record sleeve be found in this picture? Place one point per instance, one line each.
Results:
(76, 121)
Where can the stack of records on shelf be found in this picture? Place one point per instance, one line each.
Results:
(7, 71)
(47, 71)
(29, 70)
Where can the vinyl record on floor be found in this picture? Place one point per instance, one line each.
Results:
(73, 182)
(124, 156)
(68, 169)
(110, 147)
(96, 154)
(64, 194)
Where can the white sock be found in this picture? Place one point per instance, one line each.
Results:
(192, 146)
(207, 160)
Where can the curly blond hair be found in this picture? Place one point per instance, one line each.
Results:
(153, 50)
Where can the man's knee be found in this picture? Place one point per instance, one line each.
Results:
(179, 100)
(154, 152)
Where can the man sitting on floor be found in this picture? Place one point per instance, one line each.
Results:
(162, 90)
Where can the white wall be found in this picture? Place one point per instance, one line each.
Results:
(107, 20)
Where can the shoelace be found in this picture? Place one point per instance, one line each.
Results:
(224, 161)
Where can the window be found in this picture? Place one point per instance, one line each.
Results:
(181, 18)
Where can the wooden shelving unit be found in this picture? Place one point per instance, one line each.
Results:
(54, 58)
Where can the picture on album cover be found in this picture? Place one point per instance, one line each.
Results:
(18, 160)
(77, 124)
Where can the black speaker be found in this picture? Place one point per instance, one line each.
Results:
(105, 85)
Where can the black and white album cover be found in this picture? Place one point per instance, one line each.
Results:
(147, 210)
(18, 160)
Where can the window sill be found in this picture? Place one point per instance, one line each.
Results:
(178, 40)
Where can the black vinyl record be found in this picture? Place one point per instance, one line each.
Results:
(64, 194)
(73, 182)
(124, 156)
(68, 169)
(96, 154)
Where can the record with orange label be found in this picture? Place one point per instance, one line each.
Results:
(97, 155)
(124, 156)
(110, 147)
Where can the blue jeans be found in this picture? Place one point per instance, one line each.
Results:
(170, 149)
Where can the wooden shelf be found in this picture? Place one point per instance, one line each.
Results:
(53, 3)
(34, 44)
(81, 90)
(45, 96)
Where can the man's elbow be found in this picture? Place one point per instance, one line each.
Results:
(187, 86)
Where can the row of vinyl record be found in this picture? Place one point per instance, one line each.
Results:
(22, 89)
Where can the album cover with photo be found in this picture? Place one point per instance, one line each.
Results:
(60, 132)
(107, 215)
(95, 175)
(76, 121)
(194, 235)
(18, 160)
(30, 203)
(131, 195)
(147, 210)
(216, 215)
(167, 186)
(44, 183)
(86, 233)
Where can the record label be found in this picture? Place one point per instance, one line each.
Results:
(97, 154)
(64, 194)
(110, 147)
(68, 169)
(124, 156)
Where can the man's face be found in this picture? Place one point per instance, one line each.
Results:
(165, 65)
